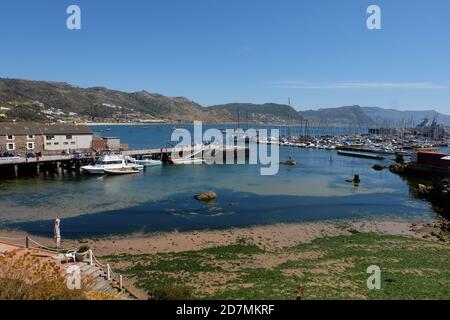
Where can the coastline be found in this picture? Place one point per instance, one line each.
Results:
(93, 124)
(270, 237)
(279, 261)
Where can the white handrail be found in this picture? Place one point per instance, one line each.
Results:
(111, 275)
(108, 272)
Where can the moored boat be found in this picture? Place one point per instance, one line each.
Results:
(122, 171)
(146, 161)
(109, 162)
(194, 157)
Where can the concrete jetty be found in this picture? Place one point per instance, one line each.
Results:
(360, 155)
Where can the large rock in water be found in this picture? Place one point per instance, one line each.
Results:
(398, 168)
(378, 167)
(206, 196)
(423, 189)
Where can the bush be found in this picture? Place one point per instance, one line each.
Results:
(169, 292)
(26, 277)
(83, 248)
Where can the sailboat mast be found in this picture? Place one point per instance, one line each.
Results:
(246, 117)
(238, 117)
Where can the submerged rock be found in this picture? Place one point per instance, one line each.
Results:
(423, 189)
(206, 196)
(398, 168)
(378, 167)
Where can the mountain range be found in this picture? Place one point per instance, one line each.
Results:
(25, 100)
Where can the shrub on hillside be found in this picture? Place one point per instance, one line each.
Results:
(26, 277)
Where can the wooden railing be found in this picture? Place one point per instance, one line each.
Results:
(32, 244)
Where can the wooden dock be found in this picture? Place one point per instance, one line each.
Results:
(47, 164)
(360, 155)
(66, 163)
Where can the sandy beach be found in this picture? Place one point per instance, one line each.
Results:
(268, 237)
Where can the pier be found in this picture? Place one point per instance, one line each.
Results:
(72, 163)
(360, 155)
(51, 164)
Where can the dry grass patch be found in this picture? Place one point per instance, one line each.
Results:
(27, 277)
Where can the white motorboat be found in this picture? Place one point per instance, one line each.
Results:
(146, 161)
(187, 161)
(110, 162)
(193, 158)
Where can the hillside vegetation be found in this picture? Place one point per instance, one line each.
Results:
(25, 100)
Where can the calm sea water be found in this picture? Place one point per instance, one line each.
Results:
(162, 197)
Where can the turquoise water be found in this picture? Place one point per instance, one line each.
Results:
(162, 197)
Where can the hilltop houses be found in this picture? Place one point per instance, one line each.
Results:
(45, 138)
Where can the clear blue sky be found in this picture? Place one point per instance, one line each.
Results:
(317, 52)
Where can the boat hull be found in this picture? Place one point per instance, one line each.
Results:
(148, 163)
(187, 161)
(123, 171)
(93, 170)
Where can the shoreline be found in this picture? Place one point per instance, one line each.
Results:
(268, 237)
(279, 261)
(93, 124)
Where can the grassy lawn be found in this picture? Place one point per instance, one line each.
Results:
(327, 268)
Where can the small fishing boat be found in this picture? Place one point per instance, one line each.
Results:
(146, 161)
(193, 158)
(187, 160)
(121, 171)
(289, 162)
